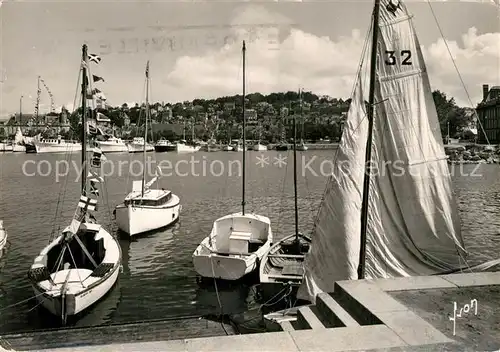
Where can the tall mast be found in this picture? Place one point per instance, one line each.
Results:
(84, 117)
(368, 157)
(243, 50)
(145, 130)
(295, 169)
(38, 92)
(20, 110)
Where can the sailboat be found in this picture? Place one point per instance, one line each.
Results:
(145, 208)
(259, 147)
(18, 145)
(402, 220)
(82, 263)
(237, 241)
(284, 263)
(283, 145)
(183, 146)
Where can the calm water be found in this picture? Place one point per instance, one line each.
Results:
(158, 280)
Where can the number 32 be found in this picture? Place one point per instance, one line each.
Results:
(391, 59)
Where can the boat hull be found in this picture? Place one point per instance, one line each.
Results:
(224, 267)
(183, 148)
(139, 148)
(259, 148)
(112, 147)
(233, 263)
(282, 147)
(17, 148)
(42, 147)
(164, 148)
(302, 147)
(131, 219)
(76, 303)
(4, 147)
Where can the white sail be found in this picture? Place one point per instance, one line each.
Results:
(413, 224)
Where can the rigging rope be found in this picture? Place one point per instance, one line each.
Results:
(456, 69)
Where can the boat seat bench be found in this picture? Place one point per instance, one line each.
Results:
(244, 236)
(102, 270)
(39, 274)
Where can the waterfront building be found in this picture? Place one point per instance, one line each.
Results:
(489, 116)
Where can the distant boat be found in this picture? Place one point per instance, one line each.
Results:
(282, 147)
(3, 236)
(237, 241)
(112, 145)
(184, 147)
(137, 146)
(301, 146)
(145, 208)
(259, 147)
(57, 145)
(5, 147)
(164, 146)
(237, 148)
(228, 148)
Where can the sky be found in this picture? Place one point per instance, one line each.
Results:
(194, 48)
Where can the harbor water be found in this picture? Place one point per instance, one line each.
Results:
(158, 280)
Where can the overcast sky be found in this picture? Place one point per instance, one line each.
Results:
(316, 45)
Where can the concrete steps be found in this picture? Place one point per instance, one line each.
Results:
(331, 311)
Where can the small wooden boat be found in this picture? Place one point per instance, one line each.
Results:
(283, 265)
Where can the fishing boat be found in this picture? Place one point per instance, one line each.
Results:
(82, 263)
(57, 145)
(146, 208)
(112, 144)
(237, 242)
(283, 265)
(259, 147)
(228, 148)
(3, 236)
(137, 145)
(184, 147)
(164, 146)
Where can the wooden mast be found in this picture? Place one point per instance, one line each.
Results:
(295, 172)
(145, 131)
(84, 118)
(243, 50)
(368, 156)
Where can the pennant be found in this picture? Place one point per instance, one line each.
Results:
(94, 177)
(94, 58)
(97, 78)
(96, 158)
(94, 130)
(147, 70)
(87, 203)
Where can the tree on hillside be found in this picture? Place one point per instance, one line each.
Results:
(449, 112)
